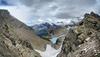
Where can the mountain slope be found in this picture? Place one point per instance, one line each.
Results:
(17, 39)
(84, 39)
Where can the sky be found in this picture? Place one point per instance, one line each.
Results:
(38, 11)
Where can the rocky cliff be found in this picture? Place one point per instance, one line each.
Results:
(17, 39)
(84, 39)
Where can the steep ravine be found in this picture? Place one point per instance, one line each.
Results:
(52, 51)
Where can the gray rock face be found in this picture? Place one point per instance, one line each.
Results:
(16, 39)
(84, 40)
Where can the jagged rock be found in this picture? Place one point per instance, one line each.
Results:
(69, 43)
(17, 39)
(84, 40)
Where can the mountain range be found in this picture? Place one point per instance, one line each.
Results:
(81, 39)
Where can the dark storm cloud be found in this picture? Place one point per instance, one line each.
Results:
(59, 8)
(35, 2)
(65, 2)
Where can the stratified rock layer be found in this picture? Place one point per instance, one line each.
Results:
(84, 39)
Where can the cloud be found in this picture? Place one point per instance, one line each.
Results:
(8, 2)
(22, 13)
(31, 11)
(3, 2)
(37, 3)
(59, 8)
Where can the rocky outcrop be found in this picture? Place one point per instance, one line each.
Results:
(17, 39)
(84, 39)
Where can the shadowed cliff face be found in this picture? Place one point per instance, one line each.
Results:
(84, 39)
(17, 39)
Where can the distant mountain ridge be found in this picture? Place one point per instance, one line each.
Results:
(45, 29)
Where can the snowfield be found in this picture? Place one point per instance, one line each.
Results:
(50, 51)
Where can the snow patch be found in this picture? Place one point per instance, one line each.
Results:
(50, 51)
